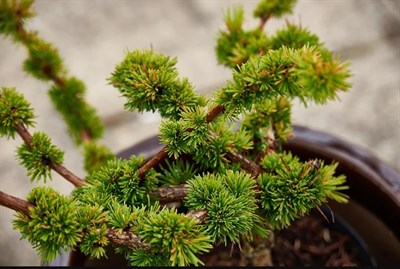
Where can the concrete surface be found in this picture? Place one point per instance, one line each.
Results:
(92, 37)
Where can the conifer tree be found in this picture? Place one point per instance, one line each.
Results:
(222, 159)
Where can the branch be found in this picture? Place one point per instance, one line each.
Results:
(26, 38)
(199, 215)
(15, 203)
(155, 160)
(60, 169)
(272, 143)
(263, 21)
(162, 154)
(166, 194)
(68, 175)
(24, 134)
(214, 113)
(127, 239)
(124, 238)
(248, 165)
(172, 193)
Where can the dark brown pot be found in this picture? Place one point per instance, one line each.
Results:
(374, 208)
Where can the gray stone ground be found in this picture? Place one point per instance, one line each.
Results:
(92, 37)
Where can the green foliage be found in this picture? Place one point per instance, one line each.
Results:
(260, 78)
(13, 13)
(95, 156)
(293, 36)
(140, 257)
(154, 256)
(172, 134)
(268, 123)
(90, 216)
(273, 8)
(14, 110)
(150, 82)
(92, 219)
(119, 179)
(305, 73)
(176, 172)
(290, 188)
(176, 235)
(186, 134)
(43, 62)
(230, 201)
(195, 121)
(236, 45)
(94, 242)
(212, 152)
(79, 116)
(52, 224)
(211, 143)
(38, 156)
(321, 76)
(120, 216)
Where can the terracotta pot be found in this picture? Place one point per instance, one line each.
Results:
(373, 212)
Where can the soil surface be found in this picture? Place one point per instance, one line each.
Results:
(307, 242)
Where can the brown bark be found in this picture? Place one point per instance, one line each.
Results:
(127, 239)
(171, 194)
(15, 203)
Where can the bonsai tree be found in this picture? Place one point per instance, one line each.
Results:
(221, 176)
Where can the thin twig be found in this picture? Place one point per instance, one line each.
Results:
(24, 134)
(60, 169)
(68, 175)
(25, 37)
(248, 165)
(263, 21)
(124, 238)
(166, 194)
(155, 160)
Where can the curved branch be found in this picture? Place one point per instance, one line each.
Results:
(60, 169)
(26, 38)
(123, 238)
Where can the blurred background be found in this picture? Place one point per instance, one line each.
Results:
(93, 36)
